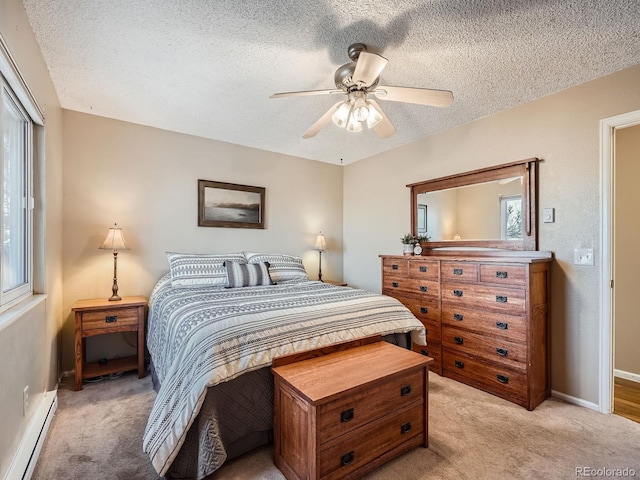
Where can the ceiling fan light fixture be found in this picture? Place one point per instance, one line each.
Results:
(374, 116)
(353, 125)
(341, 115)
(360, 111)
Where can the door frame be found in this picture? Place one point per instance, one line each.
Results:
(608, 127)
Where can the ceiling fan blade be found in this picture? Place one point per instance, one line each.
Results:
(322, 122)
(421, 96)
(384, 128)
(368, 68)
(305, 93)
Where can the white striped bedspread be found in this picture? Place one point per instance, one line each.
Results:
(199, 337)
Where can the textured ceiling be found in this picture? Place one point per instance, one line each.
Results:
(207, 68)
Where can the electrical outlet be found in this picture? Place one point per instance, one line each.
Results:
(25, 400)
(583, 256)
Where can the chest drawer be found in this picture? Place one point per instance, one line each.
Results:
(395, 267)
(494, 349)
(112, 319)
(459, 271)
(425, 308)
(340, 459)
(432, 350)
(513, 328)
(511, 301)
(503, 274)
(352, 411)
(426, 269)
(418, 286)
(492, 378)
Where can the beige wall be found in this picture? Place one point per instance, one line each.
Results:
(29, 345)
(562, 130)
(145, 179)
(626, 258)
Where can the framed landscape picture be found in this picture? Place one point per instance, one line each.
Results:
(230, 205)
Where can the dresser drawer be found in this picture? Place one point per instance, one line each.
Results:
(494, 349)
(457, 271)
(417, 286)
(394, 266)
(433, 350)
(503, 274)
(428, 269)
(425, 308)
(511, 301)
(495, 379)
(340, 459)
(95, 321)
(513, 328)
(354, 410)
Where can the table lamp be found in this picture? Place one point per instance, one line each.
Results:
(114, 241)
(321, 246)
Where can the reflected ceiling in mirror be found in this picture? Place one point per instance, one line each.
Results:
(492, 207)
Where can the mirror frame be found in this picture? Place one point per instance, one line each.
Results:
(527, 168)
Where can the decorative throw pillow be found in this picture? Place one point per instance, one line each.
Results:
(282, 268)
(199, 270)
(245, 275)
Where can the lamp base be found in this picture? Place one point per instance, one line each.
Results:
(114, 298)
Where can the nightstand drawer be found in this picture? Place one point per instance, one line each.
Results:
(112, 320)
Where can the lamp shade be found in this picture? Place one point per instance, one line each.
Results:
(321, 244)
(115, 240)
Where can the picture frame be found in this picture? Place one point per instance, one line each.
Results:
(422, 220)
(230, 205)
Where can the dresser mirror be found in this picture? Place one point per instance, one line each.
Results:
(489, 208)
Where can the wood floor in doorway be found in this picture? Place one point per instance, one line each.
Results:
(626, 399)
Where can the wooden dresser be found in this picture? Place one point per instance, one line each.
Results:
(342, 414)
(486, 317)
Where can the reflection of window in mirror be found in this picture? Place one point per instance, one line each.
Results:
(511, 217)
(422, 220)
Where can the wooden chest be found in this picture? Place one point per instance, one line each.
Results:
(486, 318)
(342, 414)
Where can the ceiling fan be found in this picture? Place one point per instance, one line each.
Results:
(359, 81)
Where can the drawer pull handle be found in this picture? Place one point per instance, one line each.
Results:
(457, 293)
(406, 390)
(458, 316)
(111, 318)
(394, 284)
(503, 352)
(503, 379)
(394, 267)
(457, 271)
(458, 340)
(501, 299)
(347, 458)
(502, 274)
(502, 325)
(459, 364)
(424, 351)
(405, 428)
(424, 310)
(346, 416)
(423, 269)
(423, 288)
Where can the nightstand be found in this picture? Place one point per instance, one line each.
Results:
(99, 316)
(333, 282)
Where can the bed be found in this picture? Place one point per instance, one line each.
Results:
(213, 330)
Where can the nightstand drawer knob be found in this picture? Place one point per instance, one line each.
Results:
(346, 416)
(423, 288)
(457, 271)
(423, 269)
(424, 310)
(457, 293)
(459, 364)
(503, 379)
(502, 274)
(347, 458)
(406, 390)
(111, 318)
(503, 352)
(458, 340)
(405, 428)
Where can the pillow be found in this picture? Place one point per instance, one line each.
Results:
(245, 275)
(196, 270)
(282, 268)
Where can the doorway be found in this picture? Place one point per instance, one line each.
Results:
(619, 324)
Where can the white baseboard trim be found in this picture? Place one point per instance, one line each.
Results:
(634, 377)
(575, 400)
(24, 461)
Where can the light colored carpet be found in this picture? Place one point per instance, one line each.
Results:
(97, 434)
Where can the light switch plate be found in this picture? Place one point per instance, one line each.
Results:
(583, 256)
(548, 215)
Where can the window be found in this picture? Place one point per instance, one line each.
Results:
(511, 217)
(16, 154)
